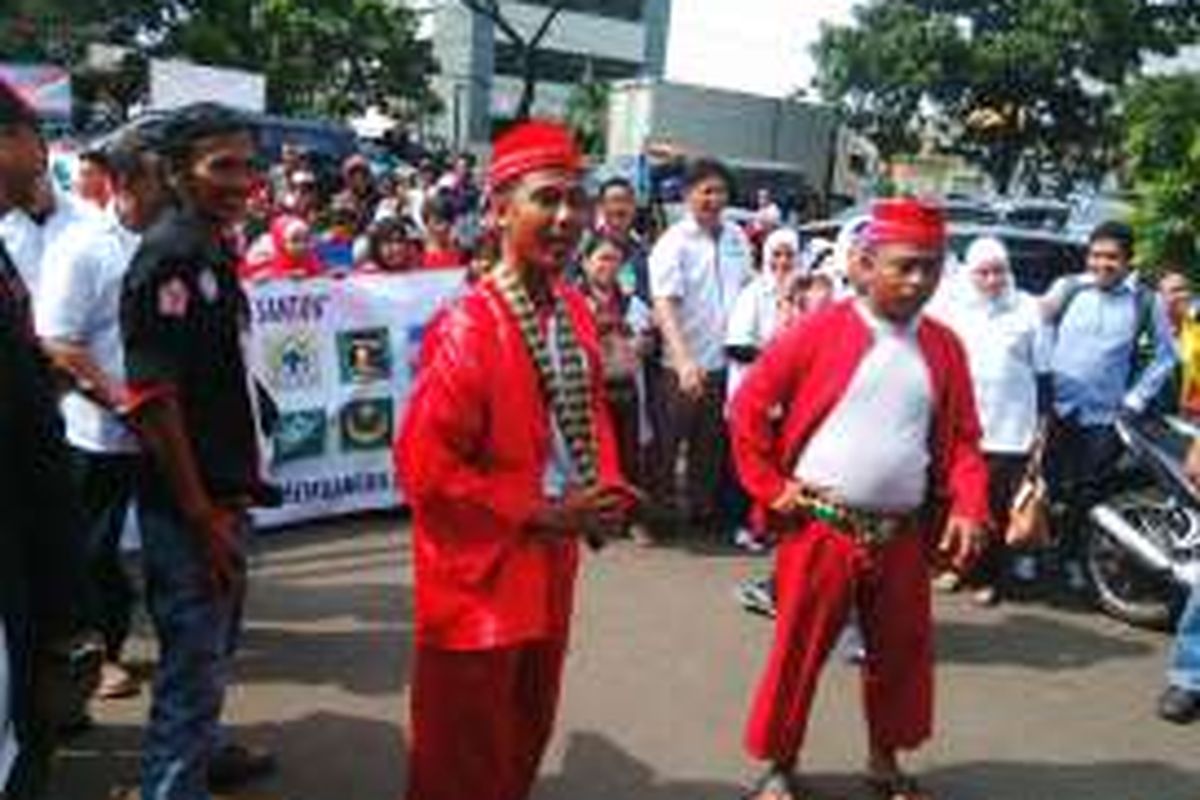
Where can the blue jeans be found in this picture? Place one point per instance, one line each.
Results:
(197, 632)
(1184, 671)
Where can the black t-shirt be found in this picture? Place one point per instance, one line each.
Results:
(183, 314)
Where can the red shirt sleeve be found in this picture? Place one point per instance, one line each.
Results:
(438, 454)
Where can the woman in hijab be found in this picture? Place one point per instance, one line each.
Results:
(291, 255)
(756, 314)
(1003, 334)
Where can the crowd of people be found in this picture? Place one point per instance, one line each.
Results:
(840, 402)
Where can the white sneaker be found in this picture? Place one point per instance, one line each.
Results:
(745, 539)
(850, 647)
(1025, 569)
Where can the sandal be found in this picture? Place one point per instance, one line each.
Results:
(897, 787)
(778, 784)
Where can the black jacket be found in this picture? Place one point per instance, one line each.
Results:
(41, 573)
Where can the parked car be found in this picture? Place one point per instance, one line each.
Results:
(1036, 213)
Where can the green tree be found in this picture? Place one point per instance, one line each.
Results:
(1162, 143)
(327, 57)
(1003, 81)
(587, 114)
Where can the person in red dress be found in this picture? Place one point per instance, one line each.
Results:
(876, 465)
(507, 459)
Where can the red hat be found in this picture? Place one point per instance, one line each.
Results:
(907, 220)
(529, 146)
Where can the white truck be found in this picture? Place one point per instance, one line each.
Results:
(794, 148)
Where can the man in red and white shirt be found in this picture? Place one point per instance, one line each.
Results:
(878, 448)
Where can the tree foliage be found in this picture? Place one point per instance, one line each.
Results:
(1162, 143)
(332, 57)
(1003, 82)
(329, 57)
(587, 114)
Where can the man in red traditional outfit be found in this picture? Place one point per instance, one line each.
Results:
(876, 464)
(507, 458)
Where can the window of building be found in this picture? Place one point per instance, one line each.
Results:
(632, 10)
(560, 66)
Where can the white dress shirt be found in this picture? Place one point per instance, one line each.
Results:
(27, 242)
(78, 300)
(872, 451)
(704, 274)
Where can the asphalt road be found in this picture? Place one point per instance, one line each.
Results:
(1034, 701)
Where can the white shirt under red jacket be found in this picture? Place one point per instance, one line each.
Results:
(811, 368)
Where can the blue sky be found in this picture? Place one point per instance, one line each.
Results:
(758, 46)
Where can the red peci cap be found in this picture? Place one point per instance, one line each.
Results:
(530, 146)
(907, 220)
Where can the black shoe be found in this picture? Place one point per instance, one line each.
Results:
(235, 765)
(1179, 705)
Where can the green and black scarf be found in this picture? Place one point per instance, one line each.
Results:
(567, 391)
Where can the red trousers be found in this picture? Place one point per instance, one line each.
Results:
(481, 720)
(819, 574)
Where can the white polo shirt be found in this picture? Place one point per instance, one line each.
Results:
(705, 274)
(78, 300)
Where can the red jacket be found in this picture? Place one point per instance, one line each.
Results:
(807, 368)
(472, 454)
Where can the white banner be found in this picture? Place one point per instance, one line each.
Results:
(337, 357)
(174, 84)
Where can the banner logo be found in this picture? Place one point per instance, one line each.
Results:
(300, 434)
(367, 425)
(293, 361)
(365, 356)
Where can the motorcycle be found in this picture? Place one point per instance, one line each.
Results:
(1143, 539)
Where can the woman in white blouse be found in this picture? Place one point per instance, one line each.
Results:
(1003, 334)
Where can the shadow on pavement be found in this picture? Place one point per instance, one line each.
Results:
(321, 756)
(1133, 780)
(596, 768)
(1032, 641)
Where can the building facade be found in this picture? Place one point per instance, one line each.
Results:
(479, 82)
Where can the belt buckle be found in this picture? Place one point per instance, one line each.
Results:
(878, 529)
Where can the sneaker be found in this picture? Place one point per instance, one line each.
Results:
(1179, 705)
(641, 535)
(235, 765)
(116, 682)
(1075, 576)
(1025, 569)
(850, 646)
(757, 595)
(947, 582)
(745, 539)
(985, 596)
